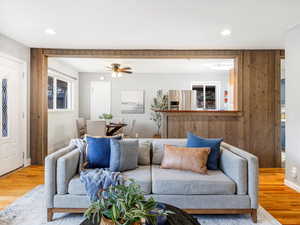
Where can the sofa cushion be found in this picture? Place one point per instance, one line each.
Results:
(158, 148)
(177, 182)
(98, 151)
(123, 155)
(213, 143)
(236, 168)
(144, 152)
(142, 175)
(182, 158)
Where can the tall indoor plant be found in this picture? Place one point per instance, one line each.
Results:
(124, 205)
(160, 102)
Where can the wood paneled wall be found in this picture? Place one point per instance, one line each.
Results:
(258, 96)
(261, 105)
(38, 106)
(227, 125)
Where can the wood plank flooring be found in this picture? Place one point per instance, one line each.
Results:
(282, 202)
(279, 200)
(17, 183)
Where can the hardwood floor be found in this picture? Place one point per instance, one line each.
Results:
(16, 184)
(282, 202)
(279, 200)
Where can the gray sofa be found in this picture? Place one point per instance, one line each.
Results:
(231, 190)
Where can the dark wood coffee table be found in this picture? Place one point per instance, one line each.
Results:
(179, 218)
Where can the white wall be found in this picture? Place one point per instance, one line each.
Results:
(292, 56)
(61, 125)
(150, 84)
(15, 49)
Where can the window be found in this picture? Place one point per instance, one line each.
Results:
(62, 94)
(50, 92)
(4, 107)
(59, 93)
(206, 95)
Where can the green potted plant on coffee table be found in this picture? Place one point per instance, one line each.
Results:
(124, 205)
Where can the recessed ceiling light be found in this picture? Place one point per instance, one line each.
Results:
(220, 66)
(226, 32)
(50, 31)
(102, 78)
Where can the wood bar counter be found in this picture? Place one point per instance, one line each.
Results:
(210, 124)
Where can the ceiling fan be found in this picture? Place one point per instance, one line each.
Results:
(117, 70)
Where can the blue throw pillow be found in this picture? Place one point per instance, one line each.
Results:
(123, 155)
(214, 145)
(98, 151)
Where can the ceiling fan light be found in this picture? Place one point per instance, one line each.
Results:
(114, 74)
(120, 75)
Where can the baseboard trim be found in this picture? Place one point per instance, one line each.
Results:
(292, 185)
(27, 162)
(253, 212)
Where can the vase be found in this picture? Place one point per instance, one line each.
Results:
(161, 220)
(105, 221)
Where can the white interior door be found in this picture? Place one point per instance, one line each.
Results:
(11, 115)
(100, 99)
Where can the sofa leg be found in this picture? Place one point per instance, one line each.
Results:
(49, 215)
(254, 215)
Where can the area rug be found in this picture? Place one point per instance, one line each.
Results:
(30, 210)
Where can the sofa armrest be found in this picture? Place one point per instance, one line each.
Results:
(236, 168)
(67, 167)
(252, 169)
(50, 174)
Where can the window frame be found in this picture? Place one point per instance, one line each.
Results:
(216, 84)
(70, 82)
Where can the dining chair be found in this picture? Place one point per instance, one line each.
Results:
(81, 127)
(96, 127)
(130, 128)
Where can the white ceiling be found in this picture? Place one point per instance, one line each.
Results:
(144, 24)
(152, 66)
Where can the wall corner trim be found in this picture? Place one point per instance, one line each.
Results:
(292, 185)
(27, 162)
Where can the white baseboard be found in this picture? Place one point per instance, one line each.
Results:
(292, 185)
(27, 162)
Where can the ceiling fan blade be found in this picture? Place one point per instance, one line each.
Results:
(126, 68)
(126, 72)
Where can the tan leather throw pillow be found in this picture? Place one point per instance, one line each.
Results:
(182, 158)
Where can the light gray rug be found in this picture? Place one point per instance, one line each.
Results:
(30, 210)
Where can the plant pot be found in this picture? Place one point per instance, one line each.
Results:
(105, 221)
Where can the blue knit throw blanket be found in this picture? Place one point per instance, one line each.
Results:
(95, 180)
(99, 180)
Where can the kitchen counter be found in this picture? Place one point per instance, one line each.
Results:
(224, 124)
(203, 112)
